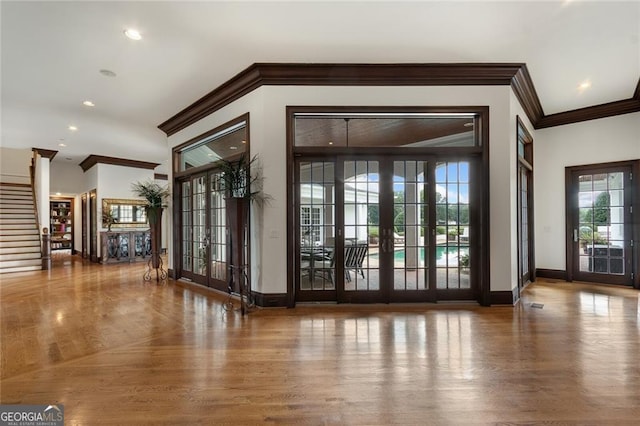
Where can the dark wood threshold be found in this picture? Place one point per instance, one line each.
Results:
(504, 297)
(554, 274)
(276, 300)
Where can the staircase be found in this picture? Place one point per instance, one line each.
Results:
(19, 234)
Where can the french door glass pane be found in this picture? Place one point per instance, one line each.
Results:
(187, 255)
(452, 225)
(199, 212)
(361, 220)
(601, 223)
(524, 221)
(217, 229)
(410, 224)
(317, 226)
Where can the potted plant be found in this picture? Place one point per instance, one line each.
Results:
(156, 197)
(463, 263)
(108, 219)
(243, 183)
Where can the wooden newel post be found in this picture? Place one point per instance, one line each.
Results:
(46, 249)
(237, 216)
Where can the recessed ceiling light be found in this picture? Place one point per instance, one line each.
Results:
(88, 103)
(108, 73)
(61, 144)
(133, 34)
(233, 147)
(330, 143)
(73, 128)
(584, 85)
(57, 193)
(244, 141)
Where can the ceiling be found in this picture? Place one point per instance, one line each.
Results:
(52, 53)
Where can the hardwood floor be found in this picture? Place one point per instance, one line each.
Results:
(117, 350)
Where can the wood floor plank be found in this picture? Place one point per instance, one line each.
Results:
(115, 349)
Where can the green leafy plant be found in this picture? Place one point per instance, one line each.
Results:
(242, 178)
(464, 260)
(108, 219)
(155, 194)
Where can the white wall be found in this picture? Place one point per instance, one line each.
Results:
(590, 142)
(267, 106)
(42, 191)
(14, 165)
(115, 182)
(67, 179)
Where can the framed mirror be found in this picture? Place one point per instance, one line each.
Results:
(126, 213)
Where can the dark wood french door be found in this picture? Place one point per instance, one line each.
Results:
(526, 267)
(383, 229)
(83, 222)
(93, 226)
(204, 238)
(600, 224)
(526, 247)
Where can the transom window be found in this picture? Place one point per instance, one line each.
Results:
(215, 146)
(411, 130)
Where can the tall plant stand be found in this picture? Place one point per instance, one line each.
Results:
(237, 217)
(154, 215)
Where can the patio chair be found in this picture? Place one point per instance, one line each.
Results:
(318, 262)
(354, 256)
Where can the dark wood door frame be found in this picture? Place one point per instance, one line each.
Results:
(525, 165)
(386, 293)
(93, 226)
(633, 167)
(479, 198)
(83, 222)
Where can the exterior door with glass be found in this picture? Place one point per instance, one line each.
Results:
(600, 218)
(204, 234)
(374, 229)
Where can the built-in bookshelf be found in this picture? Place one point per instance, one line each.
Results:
(61, 224)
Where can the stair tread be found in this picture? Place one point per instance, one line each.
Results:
(18, 263)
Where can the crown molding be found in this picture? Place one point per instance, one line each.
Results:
(46, 153)
(515, 75)
(290, 74)
(92, 160)
(522, 86)
(610, 109)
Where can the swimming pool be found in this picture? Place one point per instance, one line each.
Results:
(445, 255)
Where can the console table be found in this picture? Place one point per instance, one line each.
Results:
(125, 246)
